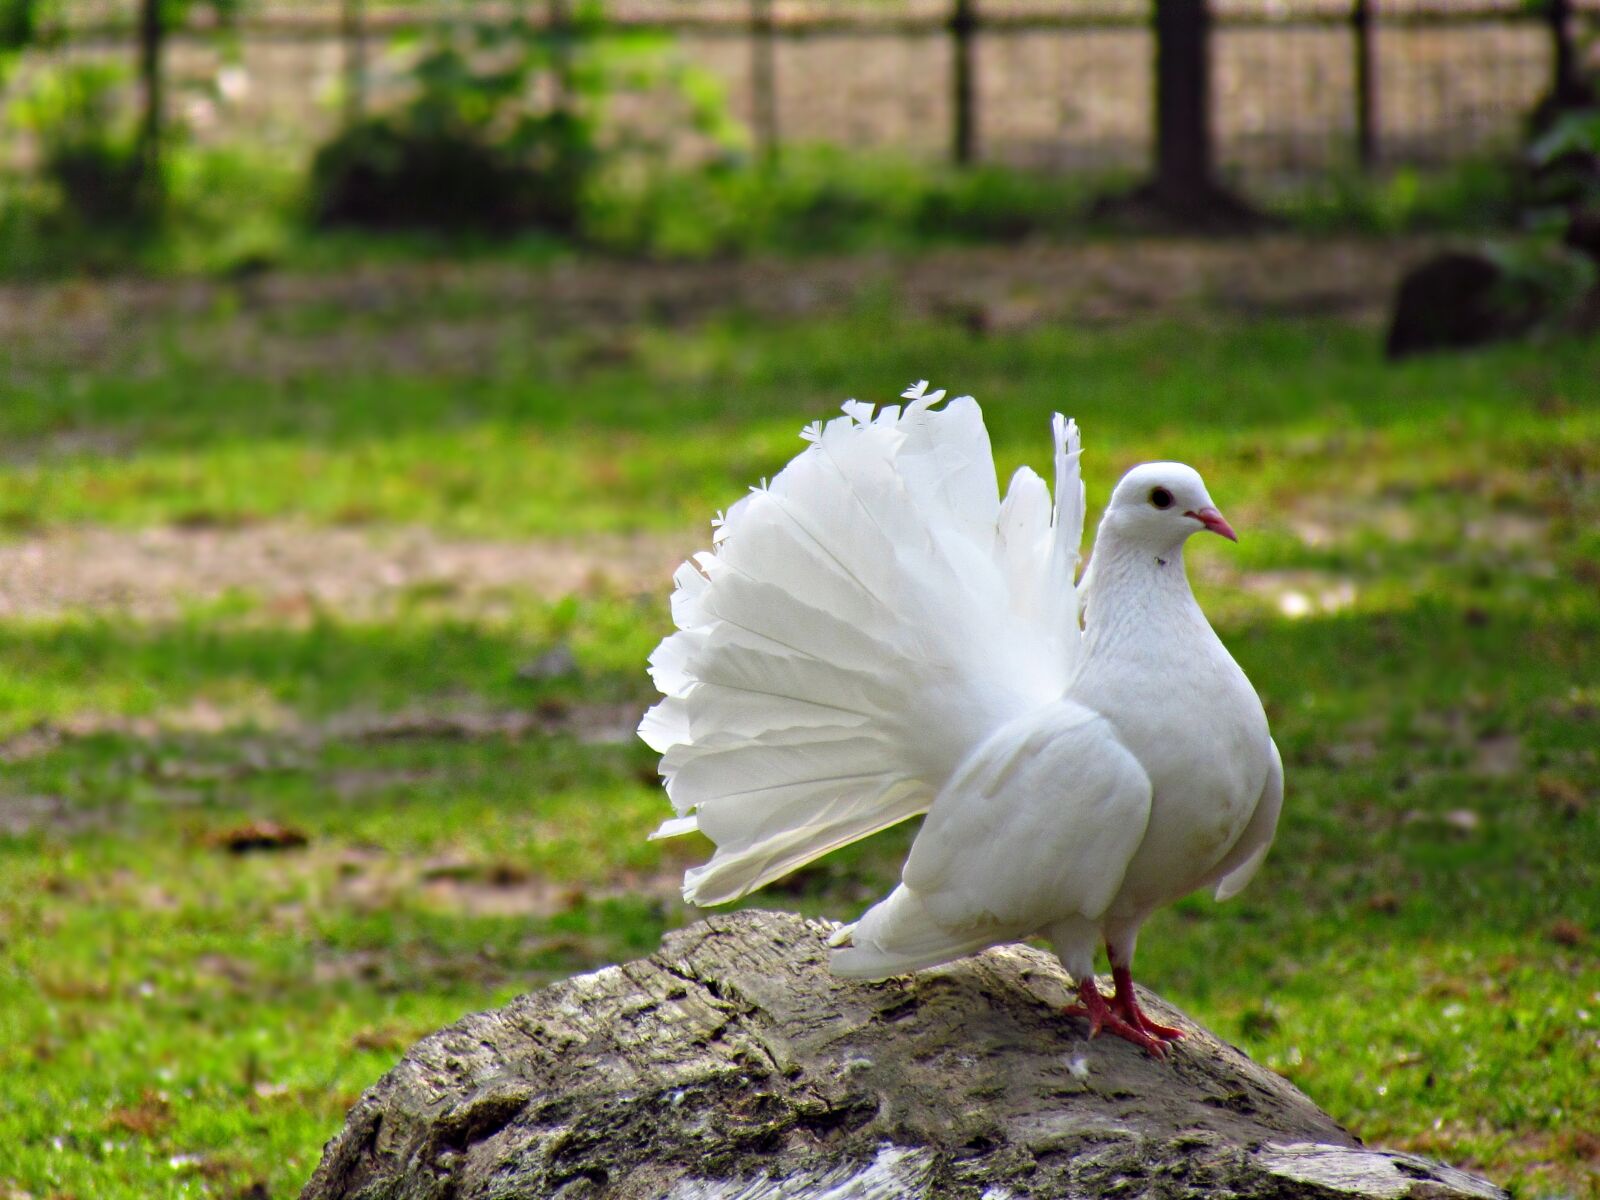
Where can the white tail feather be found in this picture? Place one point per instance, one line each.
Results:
(900, 935)
(862, 624)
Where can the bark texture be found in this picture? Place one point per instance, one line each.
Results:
(731, 1065)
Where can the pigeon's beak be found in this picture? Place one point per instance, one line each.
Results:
(1214, 521)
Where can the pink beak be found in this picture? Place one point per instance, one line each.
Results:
(1214, 521)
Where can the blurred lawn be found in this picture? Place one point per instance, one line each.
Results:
(1417, 596)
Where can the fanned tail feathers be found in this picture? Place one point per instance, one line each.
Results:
(862, 622)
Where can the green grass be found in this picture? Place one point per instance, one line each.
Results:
(681, 424)
(1419, 953)
(237, 658)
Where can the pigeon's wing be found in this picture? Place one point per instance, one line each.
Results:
(1037, 827)
(1244, 860)
(863, 622)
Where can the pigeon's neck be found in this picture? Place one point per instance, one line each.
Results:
(1133, 590)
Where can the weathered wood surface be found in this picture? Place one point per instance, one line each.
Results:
(732, 1065)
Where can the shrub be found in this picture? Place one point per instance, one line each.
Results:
(389, 173)
(88, 149)
(503, 130)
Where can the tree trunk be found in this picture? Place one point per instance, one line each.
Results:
(731, 1064)
(1183, 99)
(1184, 192)
(1568, 88)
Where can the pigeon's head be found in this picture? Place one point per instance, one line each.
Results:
(1162, 503)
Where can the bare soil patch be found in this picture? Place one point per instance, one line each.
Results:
(295, 569)
(278, 738)
(390, 318)
(498, 889)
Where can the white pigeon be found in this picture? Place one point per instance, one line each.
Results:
(876, 635)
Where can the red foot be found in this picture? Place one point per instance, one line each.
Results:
(1102, 1019)
(1126, 1003)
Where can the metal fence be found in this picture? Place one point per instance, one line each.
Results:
(1300, 87)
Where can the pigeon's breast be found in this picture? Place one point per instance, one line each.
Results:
(1197, 727)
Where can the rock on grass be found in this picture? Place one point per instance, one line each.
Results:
(732, 1064)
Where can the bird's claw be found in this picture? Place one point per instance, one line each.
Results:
(1092, 1006)
(1134, 1015)
(1126, 1003)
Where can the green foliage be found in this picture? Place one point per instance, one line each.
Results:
(504, 130)
(1542, 278)
(466, 150)
(223, 211)
(89, 149)
(1566, 161)
(108, 188)
(1471, 197)
(820, 200)
(383, 174)
(19, 24)
(1562, 260)
(1575, 132)
(631, 199)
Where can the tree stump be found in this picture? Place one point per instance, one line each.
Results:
(1458, 300)
(732, 1066)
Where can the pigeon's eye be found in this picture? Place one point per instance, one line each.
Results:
(1161, 498)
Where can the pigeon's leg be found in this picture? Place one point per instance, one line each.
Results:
(1074, 942)
(1126, 1001)
(1102, 1019)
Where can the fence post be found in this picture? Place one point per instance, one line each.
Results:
(560, 31)
(763, 81)
(152, 33)
(963, 81)
(352, 29)
(1366, 86)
